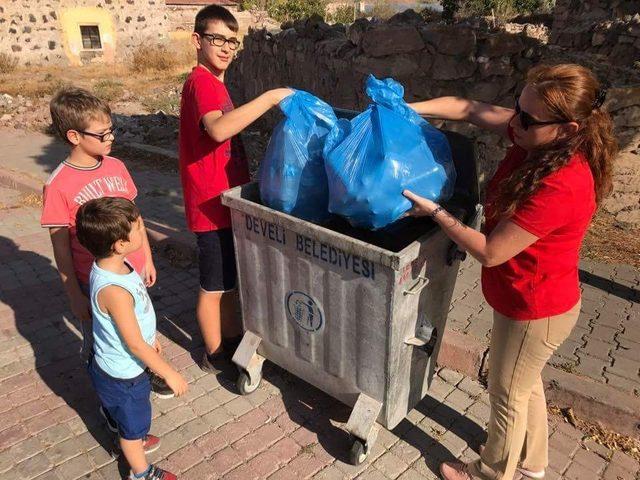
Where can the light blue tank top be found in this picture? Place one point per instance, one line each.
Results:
(111, 352)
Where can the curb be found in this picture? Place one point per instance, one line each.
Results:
(19, 182)
(594, 401)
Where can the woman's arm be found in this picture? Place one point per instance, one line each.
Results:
(505, 242)
(484, 115)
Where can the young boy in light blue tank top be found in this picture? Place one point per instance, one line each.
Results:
(124, 329)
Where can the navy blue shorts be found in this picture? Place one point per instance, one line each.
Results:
(217, 260)
(126, 401)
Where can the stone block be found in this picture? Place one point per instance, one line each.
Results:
(390, 40)
(450, 40)
(500, 44)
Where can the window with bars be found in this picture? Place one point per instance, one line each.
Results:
(90, 37)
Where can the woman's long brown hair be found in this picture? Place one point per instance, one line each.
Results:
(569, 92)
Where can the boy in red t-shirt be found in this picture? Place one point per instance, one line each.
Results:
(209, 164)
(84, 122)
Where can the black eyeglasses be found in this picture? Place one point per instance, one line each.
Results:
(526, 120)
(100, 136)
(219, 41)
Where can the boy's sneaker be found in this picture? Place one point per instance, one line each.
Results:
(160, 387)
(156, 473)
(111, 424)
(150, 444)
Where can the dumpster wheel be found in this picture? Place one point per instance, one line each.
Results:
(245, 387)
(359, 452)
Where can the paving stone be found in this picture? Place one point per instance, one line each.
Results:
(623, 367)
(372, 473)
(329, 473)
(75, 468)
(217, 418)
(576, 471)
(450, 376)
(624, 461)
(598, 349)
(202, 471)
(621, 383)
(390, 465)
(591, 366)
(34, 466)
(614, 472)
(184, 458)
(591, 460)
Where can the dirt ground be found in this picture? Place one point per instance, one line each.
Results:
(137, 96)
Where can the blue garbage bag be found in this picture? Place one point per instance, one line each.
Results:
(386, 149)
(292, 176)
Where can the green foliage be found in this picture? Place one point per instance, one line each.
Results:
(287, 10)
(343, 14)
(382, 10)
(449, 9)
(500, 8)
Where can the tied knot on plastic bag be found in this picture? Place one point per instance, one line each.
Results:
(386, 149)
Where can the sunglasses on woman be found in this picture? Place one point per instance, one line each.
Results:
(526, 120)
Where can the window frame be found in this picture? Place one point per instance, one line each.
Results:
(91, 37)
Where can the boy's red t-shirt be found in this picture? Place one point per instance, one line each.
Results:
(542, 280)
(69, 187)
(207, 168)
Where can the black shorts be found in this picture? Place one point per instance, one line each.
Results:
(217, 260)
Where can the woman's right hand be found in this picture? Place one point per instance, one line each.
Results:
(177, 383)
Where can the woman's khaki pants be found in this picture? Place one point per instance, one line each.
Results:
(518, 422)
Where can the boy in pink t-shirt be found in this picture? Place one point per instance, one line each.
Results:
(84, 122)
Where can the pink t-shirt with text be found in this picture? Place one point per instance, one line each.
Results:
(69, 187)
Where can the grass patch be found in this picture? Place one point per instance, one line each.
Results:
(108, 90)
(33, 86)
(163, 57)
(8, 63)
(607, 241)
(168, 103)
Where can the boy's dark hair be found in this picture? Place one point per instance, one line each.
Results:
(214, 13)
(103, 221)
(73, 108)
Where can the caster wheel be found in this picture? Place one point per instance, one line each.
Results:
(245, 387)
(359, 452)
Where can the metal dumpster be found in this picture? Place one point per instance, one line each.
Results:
(358, 314)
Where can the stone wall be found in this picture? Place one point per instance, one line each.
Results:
(47, 31)
(610, 28)
(181, 18)
(430, 60)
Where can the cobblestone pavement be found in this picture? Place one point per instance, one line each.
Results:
(604, 346)
(49, 427)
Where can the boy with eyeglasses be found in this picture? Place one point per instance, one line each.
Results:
(83, 121)
(210, 162)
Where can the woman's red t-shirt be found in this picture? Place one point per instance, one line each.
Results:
(542, 280)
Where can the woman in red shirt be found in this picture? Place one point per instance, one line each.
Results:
(538, 207)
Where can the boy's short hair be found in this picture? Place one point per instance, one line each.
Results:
(73, 108)
(214, 13)
(103, 221)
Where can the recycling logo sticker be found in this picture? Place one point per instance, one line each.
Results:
(304, 311)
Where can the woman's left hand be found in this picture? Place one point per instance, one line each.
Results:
(422, 207)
